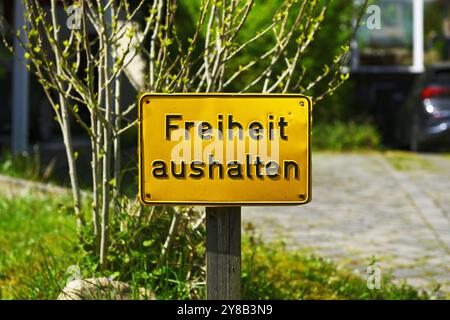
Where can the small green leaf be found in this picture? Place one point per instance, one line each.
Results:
(33, 33)
(147, 243)
(344, 76)
(345, 48)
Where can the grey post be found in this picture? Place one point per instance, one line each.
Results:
(223, 253)
(19, 134)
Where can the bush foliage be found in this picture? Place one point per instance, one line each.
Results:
(342, 136)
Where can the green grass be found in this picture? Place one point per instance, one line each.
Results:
(38, 244)
(272, 272)
(25, 166)
(407, 161)
(36, 234)
(341, 136)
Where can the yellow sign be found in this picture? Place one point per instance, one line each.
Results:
(225, 149)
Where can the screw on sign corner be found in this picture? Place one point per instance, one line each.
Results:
(302, 104)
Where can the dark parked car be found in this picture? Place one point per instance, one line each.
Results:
(424, 119)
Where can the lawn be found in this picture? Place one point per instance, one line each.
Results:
(38, 244)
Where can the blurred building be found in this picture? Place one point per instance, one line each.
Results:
(386, 60)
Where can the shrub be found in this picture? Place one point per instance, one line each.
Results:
(161, 249)
(341, 136)
(25, 166)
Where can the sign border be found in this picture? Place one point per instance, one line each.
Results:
(214, 203)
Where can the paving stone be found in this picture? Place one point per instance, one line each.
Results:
(363, 207)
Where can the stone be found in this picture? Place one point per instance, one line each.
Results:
(101, 289)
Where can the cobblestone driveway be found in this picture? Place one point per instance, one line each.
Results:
(394, 206)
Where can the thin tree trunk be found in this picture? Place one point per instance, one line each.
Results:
(67, 135)
(99, 146)
(106, 187)
(109, 95)
(95, 181)
(172, 232)
(94, 135)
(117, 145)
